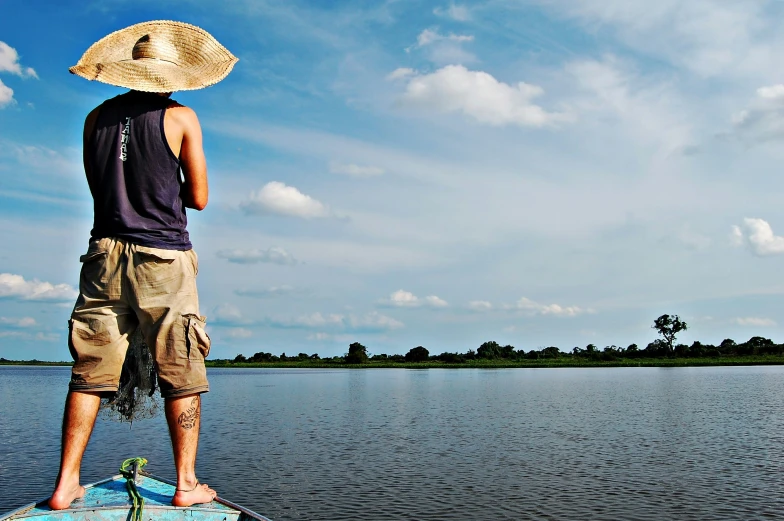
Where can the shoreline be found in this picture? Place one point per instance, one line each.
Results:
(473, 364)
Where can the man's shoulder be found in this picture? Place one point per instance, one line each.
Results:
(181, 113)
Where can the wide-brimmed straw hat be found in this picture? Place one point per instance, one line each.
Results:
(157, 56)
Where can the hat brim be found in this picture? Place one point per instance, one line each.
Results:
(201, 60)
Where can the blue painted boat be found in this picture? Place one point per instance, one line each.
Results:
(109, 500)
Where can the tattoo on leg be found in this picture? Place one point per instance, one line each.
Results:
(188, 419)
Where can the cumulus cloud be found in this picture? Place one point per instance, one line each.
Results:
(480, 305)
(758, 235)
(278, 198)
(478, 95)
(274, 255)
(353, 170)
(754, 321)
(9, 62)
(18, 322)
(527, 305)
(402, 298)
(6, 95)
(15, 286)
(459, 13)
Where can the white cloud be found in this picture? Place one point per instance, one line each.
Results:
(480, 96)
(18, 322)
(435, 302)
(353, 170)
(402, 298)
(239, 332)
(401, 73)
(273, 255)
(429, 36)
(9, 62)
(6, 95)
(15, 286)
(480, 305)
(754, 321)
(758, 235)
(459, 13)
(278, 198)
(529, 306)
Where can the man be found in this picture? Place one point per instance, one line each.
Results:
(140, 270)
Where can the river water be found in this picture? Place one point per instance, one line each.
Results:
(441, 444)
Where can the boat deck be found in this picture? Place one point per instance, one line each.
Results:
(109, 501)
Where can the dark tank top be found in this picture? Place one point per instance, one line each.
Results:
(135, 179)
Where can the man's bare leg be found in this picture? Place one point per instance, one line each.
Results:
(81, 409)
(183, 414)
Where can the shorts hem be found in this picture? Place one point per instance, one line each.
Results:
(88, 387)
(174, 393)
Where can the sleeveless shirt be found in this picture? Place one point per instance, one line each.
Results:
(135, 176)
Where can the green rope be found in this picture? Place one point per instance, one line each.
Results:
(126, 469)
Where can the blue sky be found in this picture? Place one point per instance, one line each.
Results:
(403, 173)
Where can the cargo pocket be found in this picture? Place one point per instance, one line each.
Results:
(94, 265)
(158, 271)
(197, 341)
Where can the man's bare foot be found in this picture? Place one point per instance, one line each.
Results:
(64, 495)
(200, 494)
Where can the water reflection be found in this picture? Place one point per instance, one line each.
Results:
(606, 444)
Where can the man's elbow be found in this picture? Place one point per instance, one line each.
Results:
(196, 202)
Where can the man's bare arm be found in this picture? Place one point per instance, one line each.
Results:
(195, 190)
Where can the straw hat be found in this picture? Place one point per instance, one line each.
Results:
(157, 56)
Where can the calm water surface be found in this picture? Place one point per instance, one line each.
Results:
(565, 444)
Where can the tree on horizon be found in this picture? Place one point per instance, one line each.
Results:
(669, 326)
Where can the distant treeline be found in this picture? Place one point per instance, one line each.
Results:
(358, 353)
(668, 326)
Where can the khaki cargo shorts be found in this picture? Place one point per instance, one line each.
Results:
(123, 286)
